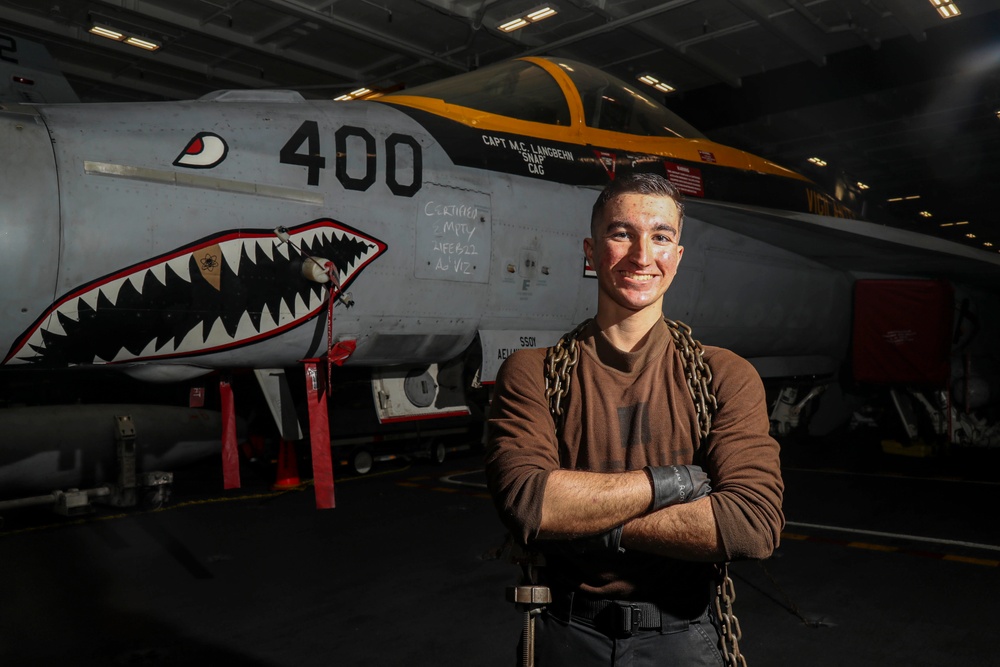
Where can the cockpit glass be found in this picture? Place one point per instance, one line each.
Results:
(611, 104)
(516, 89)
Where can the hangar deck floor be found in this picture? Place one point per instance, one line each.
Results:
(885, 561)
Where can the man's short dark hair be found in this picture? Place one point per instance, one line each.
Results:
(637, 184)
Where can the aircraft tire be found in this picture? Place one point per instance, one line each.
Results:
(153, 499)
(438, 452)
(362, 461)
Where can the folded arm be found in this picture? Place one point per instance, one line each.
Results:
(580, 504)
(539, 497)
(687, 532)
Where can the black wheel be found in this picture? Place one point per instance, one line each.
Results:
(362, 461)
(153, 499)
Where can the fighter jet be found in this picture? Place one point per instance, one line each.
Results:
(429, 230)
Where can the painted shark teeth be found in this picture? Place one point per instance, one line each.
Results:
(207, 297)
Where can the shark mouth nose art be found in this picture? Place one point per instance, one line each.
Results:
(224, 291)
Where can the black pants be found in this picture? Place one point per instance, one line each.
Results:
(574, 642)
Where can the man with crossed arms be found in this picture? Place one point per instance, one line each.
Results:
(628, 507)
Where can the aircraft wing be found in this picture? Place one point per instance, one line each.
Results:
(853, 245)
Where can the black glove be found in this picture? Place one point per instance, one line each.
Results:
(676, 484)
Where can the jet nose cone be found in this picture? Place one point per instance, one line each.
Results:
(29, 223)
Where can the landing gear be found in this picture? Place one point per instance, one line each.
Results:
(156, 491)
(438, 452)
(362, 461)
(790, 409)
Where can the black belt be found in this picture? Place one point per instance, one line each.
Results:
(619, 618)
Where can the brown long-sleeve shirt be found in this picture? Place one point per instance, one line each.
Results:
(625, 411)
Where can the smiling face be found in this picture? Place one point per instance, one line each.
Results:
(635, 251)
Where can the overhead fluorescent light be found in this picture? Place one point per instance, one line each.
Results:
(147, 44)
(512, 25)
(539, 14)
(863, 186)
(817, 161)
(910, 198)
(104, 31)
(946, 8)
(534, 16)
(651, 80)
(124, 37)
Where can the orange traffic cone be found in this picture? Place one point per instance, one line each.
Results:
(288, 467)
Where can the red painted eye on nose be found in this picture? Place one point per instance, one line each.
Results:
(204, 151)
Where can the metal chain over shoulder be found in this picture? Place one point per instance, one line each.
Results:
(699, 375)
(560, 360)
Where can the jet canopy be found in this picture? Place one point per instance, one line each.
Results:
(527, 90)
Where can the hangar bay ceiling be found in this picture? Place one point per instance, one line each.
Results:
(886, 91)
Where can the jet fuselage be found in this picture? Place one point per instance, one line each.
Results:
(142, 235)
